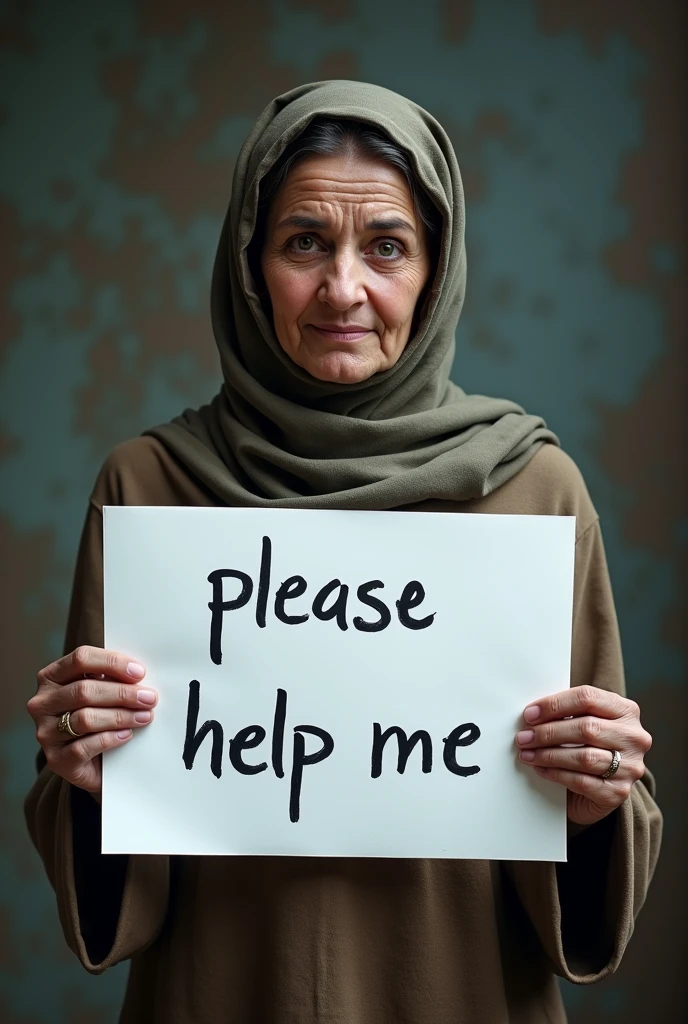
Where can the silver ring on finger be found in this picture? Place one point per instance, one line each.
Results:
(65, 726)
(614, 766)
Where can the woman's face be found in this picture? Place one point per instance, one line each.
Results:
(345, 260)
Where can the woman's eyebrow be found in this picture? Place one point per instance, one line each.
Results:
(390, 224)
(310, 223)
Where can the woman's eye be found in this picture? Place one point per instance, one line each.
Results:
(304, 244)
(388, 250)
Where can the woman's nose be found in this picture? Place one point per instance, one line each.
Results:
(343, 285)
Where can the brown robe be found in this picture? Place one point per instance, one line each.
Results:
(270, 940)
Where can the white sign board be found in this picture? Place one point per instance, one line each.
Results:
(336, 683)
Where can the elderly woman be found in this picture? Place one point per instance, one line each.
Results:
(337, 287)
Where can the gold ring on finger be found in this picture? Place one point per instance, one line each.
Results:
(64, 725)
(614, 766)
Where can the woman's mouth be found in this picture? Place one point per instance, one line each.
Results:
(341, 332)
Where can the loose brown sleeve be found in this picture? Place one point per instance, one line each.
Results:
(584, 911)
(110, 907)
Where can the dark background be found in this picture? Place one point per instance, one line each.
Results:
(119, 125)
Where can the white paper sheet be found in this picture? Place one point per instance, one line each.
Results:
(500, 588)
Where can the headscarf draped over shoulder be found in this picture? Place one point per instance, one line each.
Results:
(275, 436)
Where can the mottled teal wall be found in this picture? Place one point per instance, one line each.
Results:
(119, 123)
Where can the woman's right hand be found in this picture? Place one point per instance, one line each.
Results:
(103, 693)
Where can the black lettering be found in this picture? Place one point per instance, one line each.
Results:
(295, 586)
(412, 595)
(406, 745)
(363, 595)
(278, 734)
(461, 736)
(337, 609)
(301, 758)
(194, 737)
(251, 736)
(264, 582)
(218, 606)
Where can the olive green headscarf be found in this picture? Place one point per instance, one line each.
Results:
(274, 435)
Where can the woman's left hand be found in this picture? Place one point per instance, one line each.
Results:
(603, 722)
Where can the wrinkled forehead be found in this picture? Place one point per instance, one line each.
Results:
(351, 186)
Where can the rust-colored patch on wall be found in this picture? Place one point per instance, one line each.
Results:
(8, 1013)
(329, 10)
(152, 156)
(159, 153)
(85, 1015)
(152, 318)
(28, 616)
(338, 64)
(13, 34)
(110, 402)
(8, 445)
(469, 145)
(457, 18)
(128, 265)
(11, 268)
(8, 947)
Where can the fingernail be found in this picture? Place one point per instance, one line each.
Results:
(142, 716)
(124, 734)
(532, 714)
(527, 755)
(525, 737)
(136, 670)
(145, 696)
